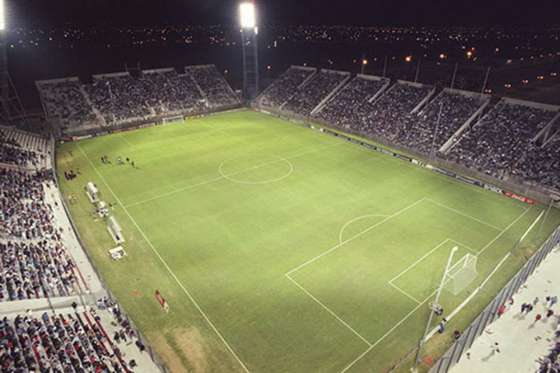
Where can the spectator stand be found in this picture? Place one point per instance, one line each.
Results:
(341, 110)
(385, 81)
(501, 139)
(548, 133)
(430, 128)
(431, 93)
(78, 338)
(344, 80)
(457, 353)
(283, 88)
(23, 150)
(155, 363)
(217, 92)
(316, 91)
(485, 99)
(66, 104)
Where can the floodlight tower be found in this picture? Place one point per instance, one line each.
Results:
(249, 34)
(11, 110)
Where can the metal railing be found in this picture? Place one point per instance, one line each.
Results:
(490, 313)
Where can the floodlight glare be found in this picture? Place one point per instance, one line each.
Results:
(2, 15)
(247, 15)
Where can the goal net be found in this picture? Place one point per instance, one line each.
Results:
(176, 118)
(461, 274)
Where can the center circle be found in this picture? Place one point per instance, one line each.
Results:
(240, 171)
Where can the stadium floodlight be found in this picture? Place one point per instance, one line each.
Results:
(2, 16)
(247, 15)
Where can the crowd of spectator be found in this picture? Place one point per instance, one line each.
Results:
(121, 98)
(72, 341)
(33, 270)
(314, 91)
(439, 120)
(500, 144)
(65, 100)
(13, 153)
(282, 89)
(386, 116)
(343, 108)
(35, 264)
(551, 362)
(217, 91)
(497, 143)
(541, 164)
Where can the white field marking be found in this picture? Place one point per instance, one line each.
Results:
(504, 231)
(404, 292)
(418, 306)
(340, 234)
(471, 296)
(465, 215)
(329, 310)
(473, 251)
(371, 347)
(355, 236)
(269, 181)
(218, 178)
(532, 226)
(418, 261)
(193, 301)
(495, 270)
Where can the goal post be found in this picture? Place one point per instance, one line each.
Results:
(176, 118)
(461, 274)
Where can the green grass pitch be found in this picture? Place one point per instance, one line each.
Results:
(282, 249)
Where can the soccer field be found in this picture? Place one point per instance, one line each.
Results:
(283, 249)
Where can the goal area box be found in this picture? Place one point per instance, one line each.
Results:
(461, 274)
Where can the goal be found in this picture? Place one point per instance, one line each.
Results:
(461, 274)
(177, 118)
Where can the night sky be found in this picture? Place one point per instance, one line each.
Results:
(29, 13)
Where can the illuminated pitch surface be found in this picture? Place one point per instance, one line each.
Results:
(282, 249)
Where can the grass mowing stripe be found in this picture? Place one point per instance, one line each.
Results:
(463, 214)
(221, 177)
(164, 262)
(504, 231)
(355, 236)
(328, 310)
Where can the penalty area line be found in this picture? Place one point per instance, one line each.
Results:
(328, 310)
(191, 298)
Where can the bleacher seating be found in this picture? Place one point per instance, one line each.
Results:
(541, 165)
(284, 87)
(118, 99)
(64, 99)
(217, 91)
(500, 139)
(314, 91)
(341, 110)
(68, 341)
(23, 149)
(386, 116)
(441, 118)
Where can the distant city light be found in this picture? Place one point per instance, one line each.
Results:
(525, 81)
(507, 85)
(247, 15)
(2, 16)
(540, 77)
(364, 62)
(408, 58)
(469, 54)
(442, 56)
